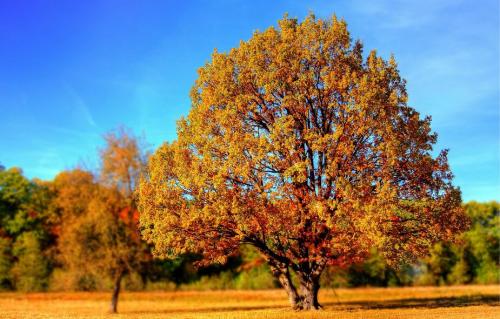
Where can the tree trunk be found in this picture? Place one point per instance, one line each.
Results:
(116, 293)
(282, 273)
(308, 273)
(309, 288)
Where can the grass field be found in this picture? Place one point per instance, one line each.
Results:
(423, 302)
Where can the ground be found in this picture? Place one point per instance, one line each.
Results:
(480, 302)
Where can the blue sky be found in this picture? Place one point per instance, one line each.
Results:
(72, 70)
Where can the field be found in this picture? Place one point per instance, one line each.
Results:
(422, 302)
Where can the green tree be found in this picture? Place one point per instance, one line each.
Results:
(25, 231)
(462, 271)
(6, 261)
(475, 258)
(483, 241)
(438, 265)
(15, 193)
(31, 271)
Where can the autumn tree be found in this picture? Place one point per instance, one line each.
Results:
(299, 146)
(101, 244)
(99, 233)
(123, 159)
(74, 190)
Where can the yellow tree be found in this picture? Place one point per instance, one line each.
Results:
(299, 146)
(73, 191)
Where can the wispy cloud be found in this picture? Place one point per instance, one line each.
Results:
(50, 148)
(403, 13)
(455, 80)
(80, 106)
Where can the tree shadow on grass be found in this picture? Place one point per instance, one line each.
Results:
(425, 303)
(429, 303)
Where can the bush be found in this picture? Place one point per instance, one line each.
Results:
(256, 278)
(488, 273)
(221, 281)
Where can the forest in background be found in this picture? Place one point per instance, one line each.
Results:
(79, 231)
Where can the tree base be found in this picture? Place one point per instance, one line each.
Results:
(300, 307)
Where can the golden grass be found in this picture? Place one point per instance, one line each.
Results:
(480, 302)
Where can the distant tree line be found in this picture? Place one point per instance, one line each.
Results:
(80, 232)
(475, 259)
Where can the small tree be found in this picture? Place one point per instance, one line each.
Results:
(100, 233)
(123, 159)
(300, 147)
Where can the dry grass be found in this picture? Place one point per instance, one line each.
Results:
(423, 302)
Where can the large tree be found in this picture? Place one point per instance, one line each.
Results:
(298, 145)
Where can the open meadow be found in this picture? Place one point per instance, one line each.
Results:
(480, 302)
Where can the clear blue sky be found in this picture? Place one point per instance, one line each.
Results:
(72, 70)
